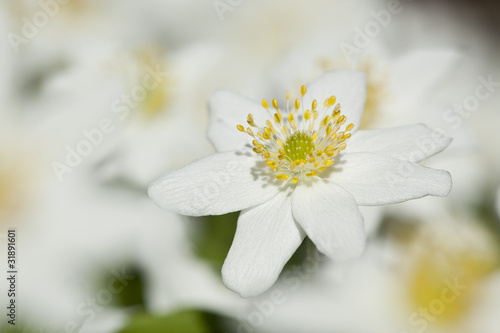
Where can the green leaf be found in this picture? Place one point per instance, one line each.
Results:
(180, 322)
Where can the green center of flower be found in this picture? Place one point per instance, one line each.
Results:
(298, 146)
(302, 140)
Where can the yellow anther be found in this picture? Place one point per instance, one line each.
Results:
(319, 153)
(271, 127)
(275, 103)
(326, 120)
(249, 131)
(266, 136)
(346, 136)
(297, 103)
(316, 164)
(277, 118)
(282, 176)
(314, 104)
(250, 120)
(303, 90)
(314, 173)
(287, 95)
(290, 117)
(312, 159)
(349, 127)
(315, 115)
(314, 136)
(264, 103)
(328, 162)
(309, 174)
(343, 146)
(332, 100)
(341, 120)
(295, 179)
(322, 168)
(328, 130)
(256, 143)
(307, 115)
(271, 163)
(240, 128)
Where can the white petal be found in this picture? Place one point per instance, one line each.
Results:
(331, 218)
(348, 86)
(214, 185)
(372, 216)
(378, 180)
(265, 239)
(412, 143)
(227, 109)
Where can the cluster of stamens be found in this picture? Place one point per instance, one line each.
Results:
(299, 142)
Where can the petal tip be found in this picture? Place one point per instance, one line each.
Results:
(245, 289)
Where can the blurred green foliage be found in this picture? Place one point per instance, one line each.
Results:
(213, 237)
(132, 294)
(186, 321)
(180, 322)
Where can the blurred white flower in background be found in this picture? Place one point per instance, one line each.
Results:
(71, 99)
(110, 232)
(432, 276)
(149, 99)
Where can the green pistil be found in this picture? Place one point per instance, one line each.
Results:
(298, 146)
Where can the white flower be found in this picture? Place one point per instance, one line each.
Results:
(397, 280)
(132, 231)
(305, 176)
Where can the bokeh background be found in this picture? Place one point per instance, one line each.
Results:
(99, 98)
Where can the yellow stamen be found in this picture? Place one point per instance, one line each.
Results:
(299, 148)
(275, 103)
(264, 104)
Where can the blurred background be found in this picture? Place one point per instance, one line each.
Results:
(99, 98)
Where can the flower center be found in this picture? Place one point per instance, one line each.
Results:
(298, 146)
(15, 187)
(301, 141)
(438, 264)
(156, 99)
